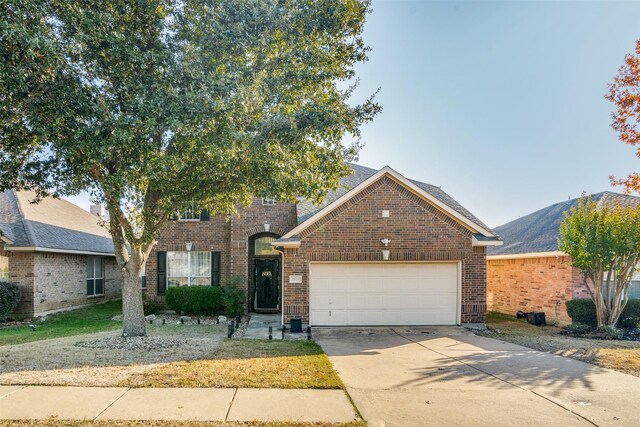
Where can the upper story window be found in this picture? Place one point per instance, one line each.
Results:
(4, 269)
(191, 212)
(263, 246)
(268, 201)
(95, 275)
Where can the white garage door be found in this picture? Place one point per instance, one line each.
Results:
(383, 294)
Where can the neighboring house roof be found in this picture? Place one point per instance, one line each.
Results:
(357, 181)
(51, 224)
(539, 231)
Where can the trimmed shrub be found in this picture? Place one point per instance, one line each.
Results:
(584, 311)
(195, 299)
(9, 298)
(151, 306)
(233, 298)
(630, 316)
(612, 332)
(578, 329)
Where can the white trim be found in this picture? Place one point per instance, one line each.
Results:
(458, 279)
(402, 181)
(58, 251)
(527, 255)
(6, 240)
(476, 242)
(293, 244)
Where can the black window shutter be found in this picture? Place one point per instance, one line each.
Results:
(204, 215)
(215, 268)
(162, 272)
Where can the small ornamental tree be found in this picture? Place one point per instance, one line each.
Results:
(152, 105)
(604, 243)
(624, 92)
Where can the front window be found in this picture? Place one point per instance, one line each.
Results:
(189, 268)
(268, 201)
(95, 275)
(263, 246)
(4, 269)
(143, 278)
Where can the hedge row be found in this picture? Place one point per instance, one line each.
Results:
(205, 300)
(584, 311)
(9, 298)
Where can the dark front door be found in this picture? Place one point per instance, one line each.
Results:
(266, 275)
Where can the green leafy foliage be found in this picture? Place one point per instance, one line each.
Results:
(153, 105)
(612, 333)
(630, 317)
(604, 243)
(195, 299)
(233, 297)
(583, 311)
(151, 306)
(579, 329)
(10, 295)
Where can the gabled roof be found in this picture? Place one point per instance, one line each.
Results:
(539, 231)
(51, 224)
(362, 177)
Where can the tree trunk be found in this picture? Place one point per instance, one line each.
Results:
(133, 323)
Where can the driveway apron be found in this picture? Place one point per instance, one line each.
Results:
(408, 376)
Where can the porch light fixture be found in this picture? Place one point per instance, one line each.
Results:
(188, 245)
(385, 252)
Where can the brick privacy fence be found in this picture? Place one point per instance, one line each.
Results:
(417, 230)
(534, 284)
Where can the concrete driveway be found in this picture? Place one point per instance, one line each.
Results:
(447, 376)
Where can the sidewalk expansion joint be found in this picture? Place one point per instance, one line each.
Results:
(22, 387)
(233, 399)
(111, 404)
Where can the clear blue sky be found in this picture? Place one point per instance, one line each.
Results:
(499, 103)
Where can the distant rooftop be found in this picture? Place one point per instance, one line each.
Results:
(51, 224)
(539, 231)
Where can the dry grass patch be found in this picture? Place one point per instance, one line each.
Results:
(623, 356)
(248, 364)
(53, 422)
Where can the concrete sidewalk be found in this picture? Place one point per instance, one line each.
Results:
(192, 404)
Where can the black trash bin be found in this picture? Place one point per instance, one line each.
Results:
(296, 325)
(536, 318)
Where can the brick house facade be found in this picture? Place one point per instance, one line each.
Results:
(48, 248)
(423, 230)
(529, 273)
(539, 283)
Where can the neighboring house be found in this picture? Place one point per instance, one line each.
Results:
(57, 252)
(381, 250)
(529, 273)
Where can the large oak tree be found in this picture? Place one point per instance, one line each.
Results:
(152, 104)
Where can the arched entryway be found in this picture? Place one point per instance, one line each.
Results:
(265, 270)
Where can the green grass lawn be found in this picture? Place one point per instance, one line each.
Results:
(96, 318)
(248, 364)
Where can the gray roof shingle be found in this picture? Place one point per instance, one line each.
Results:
(51, 223)
(539, 231)
(306, 209)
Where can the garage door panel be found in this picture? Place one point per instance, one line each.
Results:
(384, 294)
